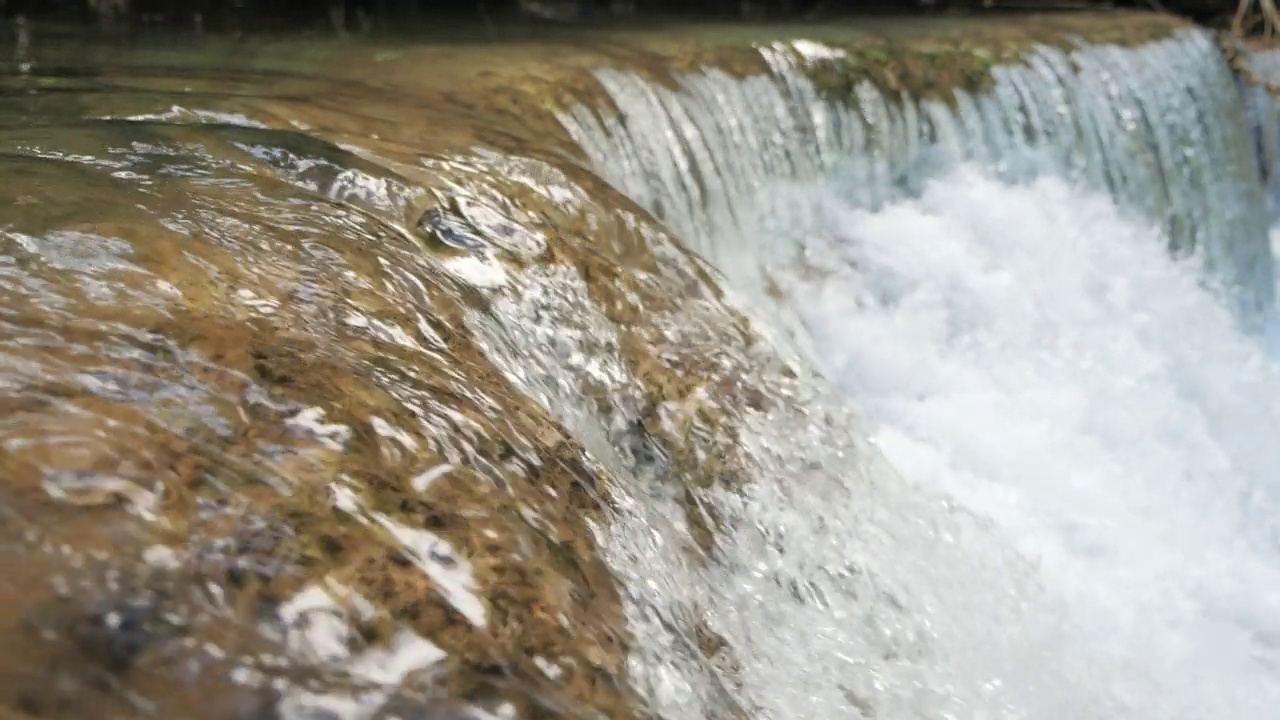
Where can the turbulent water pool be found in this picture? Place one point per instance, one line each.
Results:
(701, 375)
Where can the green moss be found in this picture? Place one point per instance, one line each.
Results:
(935, 67)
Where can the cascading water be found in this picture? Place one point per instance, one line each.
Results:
(323, 398)
(1035, 354)
(990, 281)
(1263, 112)
(1262, 108)
(1160, 128)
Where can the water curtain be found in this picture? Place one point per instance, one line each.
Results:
(1161, 127)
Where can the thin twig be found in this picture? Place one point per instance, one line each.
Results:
(1266, 8)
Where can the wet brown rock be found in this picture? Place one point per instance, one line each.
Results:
(245, 493)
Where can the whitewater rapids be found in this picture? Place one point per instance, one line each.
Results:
(1034, 352)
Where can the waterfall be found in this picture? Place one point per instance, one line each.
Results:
(1263, 113)
(1042, 295)
(361, 400)
(1161, 128)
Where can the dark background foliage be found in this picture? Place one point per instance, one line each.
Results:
(386, 15)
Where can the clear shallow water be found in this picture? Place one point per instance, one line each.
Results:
(1039, 357)
(310, 458)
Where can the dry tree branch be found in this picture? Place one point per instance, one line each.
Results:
(1266, 8)
(1237, 55)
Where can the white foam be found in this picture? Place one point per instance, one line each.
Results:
(319, 619)
(423, 480)
(450, 572)
(332, 435)
(265, 306)
(161, 557)
(482, 272)
(812, 50)
(387, 430)
(1041, 358)
(181, 115)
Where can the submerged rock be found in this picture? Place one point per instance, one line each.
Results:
(451, 229)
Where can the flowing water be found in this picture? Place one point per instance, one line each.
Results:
(988, 282)
(708, 395)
